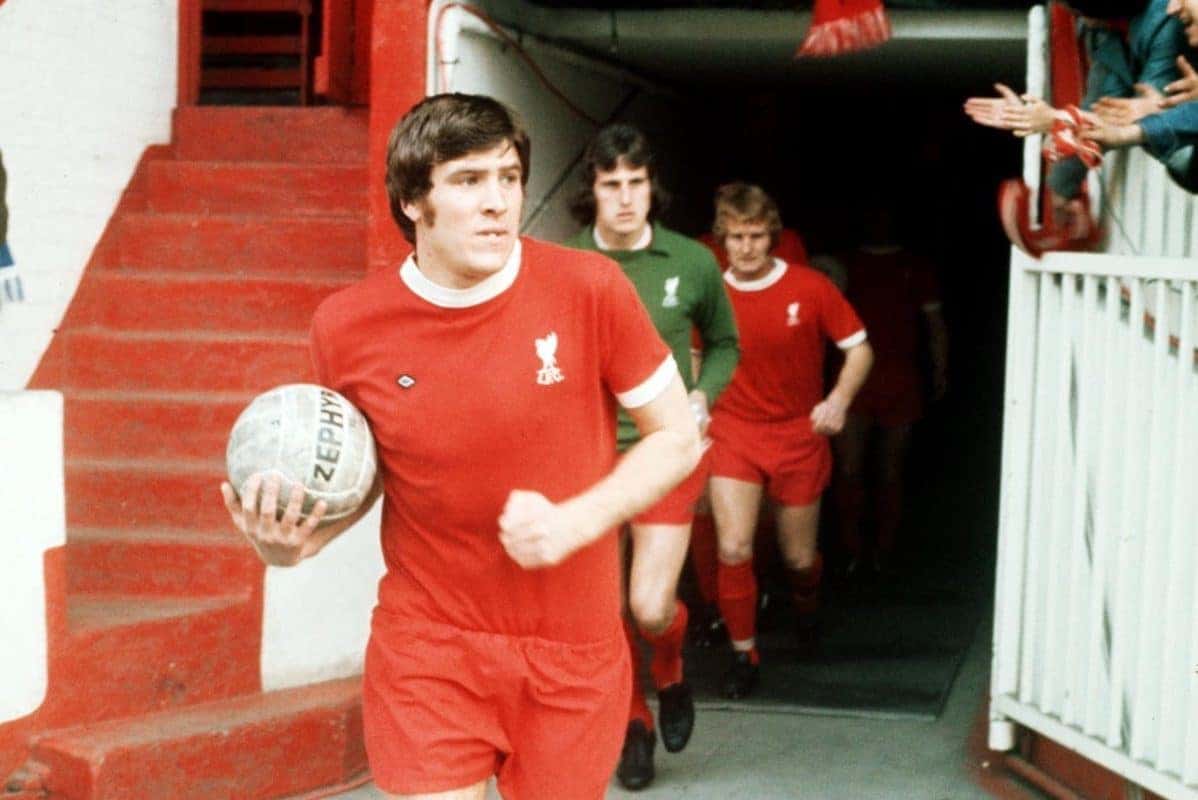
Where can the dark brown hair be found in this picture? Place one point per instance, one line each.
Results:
(439, 129)
(615, 144)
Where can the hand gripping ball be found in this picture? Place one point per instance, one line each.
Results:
(306, 435)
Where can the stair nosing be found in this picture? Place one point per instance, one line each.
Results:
(187, 335)
(298, 164)
(83, 535)
(177, 216)
(337, 695)
(172, 466)
(191, 276)
(200, 604)
(158, 396)
(309, 275)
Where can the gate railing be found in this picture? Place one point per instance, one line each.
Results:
(1096, 618)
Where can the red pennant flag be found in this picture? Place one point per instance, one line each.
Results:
(1076, 231)
(844, 26)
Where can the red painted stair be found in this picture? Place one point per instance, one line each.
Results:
(319, 745)
(197, 297)
(238, 246)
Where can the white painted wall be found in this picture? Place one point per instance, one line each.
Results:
(84, 88)
(316, 615)
(34, 522)
(476, 61)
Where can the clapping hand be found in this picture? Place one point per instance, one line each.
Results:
(1185, 88)
(1023, 116)
(1128, 110)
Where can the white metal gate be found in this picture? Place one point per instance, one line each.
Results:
(1096, 612)
(1096, 618)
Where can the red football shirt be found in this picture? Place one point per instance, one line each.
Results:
(890, 288)
(785, 319)
(511, 384)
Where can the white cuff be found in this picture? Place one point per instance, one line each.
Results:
(852, 341)
(652, 387)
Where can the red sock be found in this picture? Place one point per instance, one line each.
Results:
(804, 583)
(666, 665)
(738, 599)
(638, 708)
(704, 548)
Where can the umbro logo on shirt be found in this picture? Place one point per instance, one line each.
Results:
(547, 351)
(405, 381)
(671, 298)
(792, 314)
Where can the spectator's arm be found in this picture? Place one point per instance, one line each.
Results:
(1116, 136)
(1158, 50)
(1126, 110)
(1165, 133)
(1110, 75)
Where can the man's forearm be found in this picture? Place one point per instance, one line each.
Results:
(646, 473)
(857, 361)
(721, 343)
(719, 362)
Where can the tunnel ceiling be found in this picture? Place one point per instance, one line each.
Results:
(969, 45)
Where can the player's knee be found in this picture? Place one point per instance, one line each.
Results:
(799, 557)
(733, 553)
(652, 610)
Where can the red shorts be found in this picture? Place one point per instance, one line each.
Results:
(678, 507)
(445, 708)
(793, 463)
(892, 398)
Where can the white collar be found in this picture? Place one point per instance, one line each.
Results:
(487, 289)
(758, 284)
(646, 238)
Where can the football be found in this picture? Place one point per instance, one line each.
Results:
(309, 436)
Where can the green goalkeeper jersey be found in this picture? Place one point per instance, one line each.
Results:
(680, 284)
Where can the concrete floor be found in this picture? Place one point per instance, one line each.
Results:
(766, 756)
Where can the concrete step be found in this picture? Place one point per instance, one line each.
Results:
(243, 187)
(150, 425)
(326, 135)
(269, 745)
(241, 245)
(145, 495)
(125, 654)
(173, 301)
(159, 563)
(96, 358)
